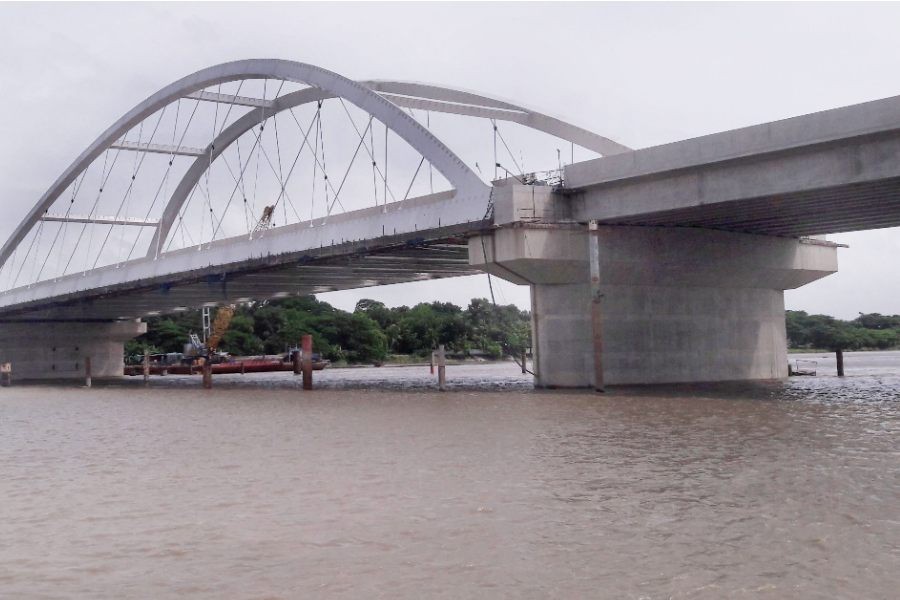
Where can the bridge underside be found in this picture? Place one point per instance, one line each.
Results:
(345, 266)
(834, 210)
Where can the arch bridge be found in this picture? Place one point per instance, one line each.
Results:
(222, 188)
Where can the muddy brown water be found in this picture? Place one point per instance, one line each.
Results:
(377, 486)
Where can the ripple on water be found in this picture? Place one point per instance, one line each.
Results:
(258, 489)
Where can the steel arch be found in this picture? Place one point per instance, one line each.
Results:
(381, 99)
(441, 98)
(431, 97)
(465, 182)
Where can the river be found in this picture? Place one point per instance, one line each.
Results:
(377, 486)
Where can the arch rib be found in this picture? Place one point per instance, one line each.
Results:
(465, 182)
(381, 99)
(416, 95)
(404, 94)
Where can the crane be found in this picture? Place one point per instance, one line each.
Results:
(215, 330)
(219, 327)
(265, 221)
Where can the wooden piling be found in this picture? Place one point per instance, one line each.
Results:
(524, 358)
(298, 365)
(442, 368)
(431, 363)
(307, 347)
(87, 371)
(146, 367)
(839, 354)
(207, 374)
(6, 374)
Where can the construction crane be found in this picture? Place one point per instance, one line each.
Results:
(219, 327)
(214, 329)
(265, 222)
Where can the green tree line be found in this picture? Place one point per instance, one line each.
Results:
(867, 331)
(368, 334)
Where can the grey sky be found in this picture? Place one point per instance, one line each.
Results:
(640, 74)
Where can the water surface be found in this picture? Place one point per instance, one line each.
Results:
(259, 490)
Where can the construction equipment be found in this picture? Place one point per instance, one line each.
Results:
(195, 345)
(219, 327)
(265, 222)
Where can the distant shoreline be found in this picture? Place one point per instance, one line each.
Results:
(826, 351)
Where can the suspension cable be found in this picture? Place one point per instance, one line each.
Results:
(283, 183)
(374, 165)
(280, 169)
(349, 167)
(386, 164)
(164, 183)
(134, 174)
(241, 175)
(28, 253)
(104, 177)
(430, 166)
(293, 166)
(63, 228)
(371, 152)
(496, 163)
(497, 131)
(494, 303)
(324, 172)
(405, 196)
(312, 202)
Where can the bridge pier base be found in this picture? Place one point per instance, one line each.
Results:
(58, 350)
(677, 304)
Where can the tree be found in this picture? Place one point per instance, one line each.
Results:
(240, 338)
(367, 334)
(823, 331)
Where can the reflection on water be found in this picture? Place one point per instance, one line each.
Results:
(260, 490)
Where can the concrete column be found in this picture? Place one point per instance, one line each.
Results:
(679, 305)
(561, 335)
(57, 350)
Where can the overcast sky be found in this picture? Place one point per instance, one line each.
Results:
(640, 74)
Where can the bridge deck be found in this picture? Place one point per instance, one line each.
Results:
(827, 172)
(394, 259)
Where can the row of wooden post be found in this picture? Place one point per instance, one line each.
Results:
(439, 356)
(303, 361)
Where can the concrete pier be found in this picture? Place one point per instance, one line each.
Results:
(58, 350)
(676, 304)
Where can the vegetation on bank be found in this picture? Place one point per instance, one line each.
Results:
(866, 332)
(370, 333)
(373, 332)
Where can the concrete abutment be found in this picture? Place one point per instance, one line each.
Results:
(57, 350)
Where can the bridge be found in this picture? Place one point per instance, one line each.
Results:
(664, 264)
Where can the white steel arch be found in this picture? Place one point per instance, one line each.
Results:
(421, 96)
(381, 99)
(440, 98)
(465, 182)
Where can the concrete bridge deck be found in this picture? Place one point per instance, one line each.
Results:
(828, 172)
